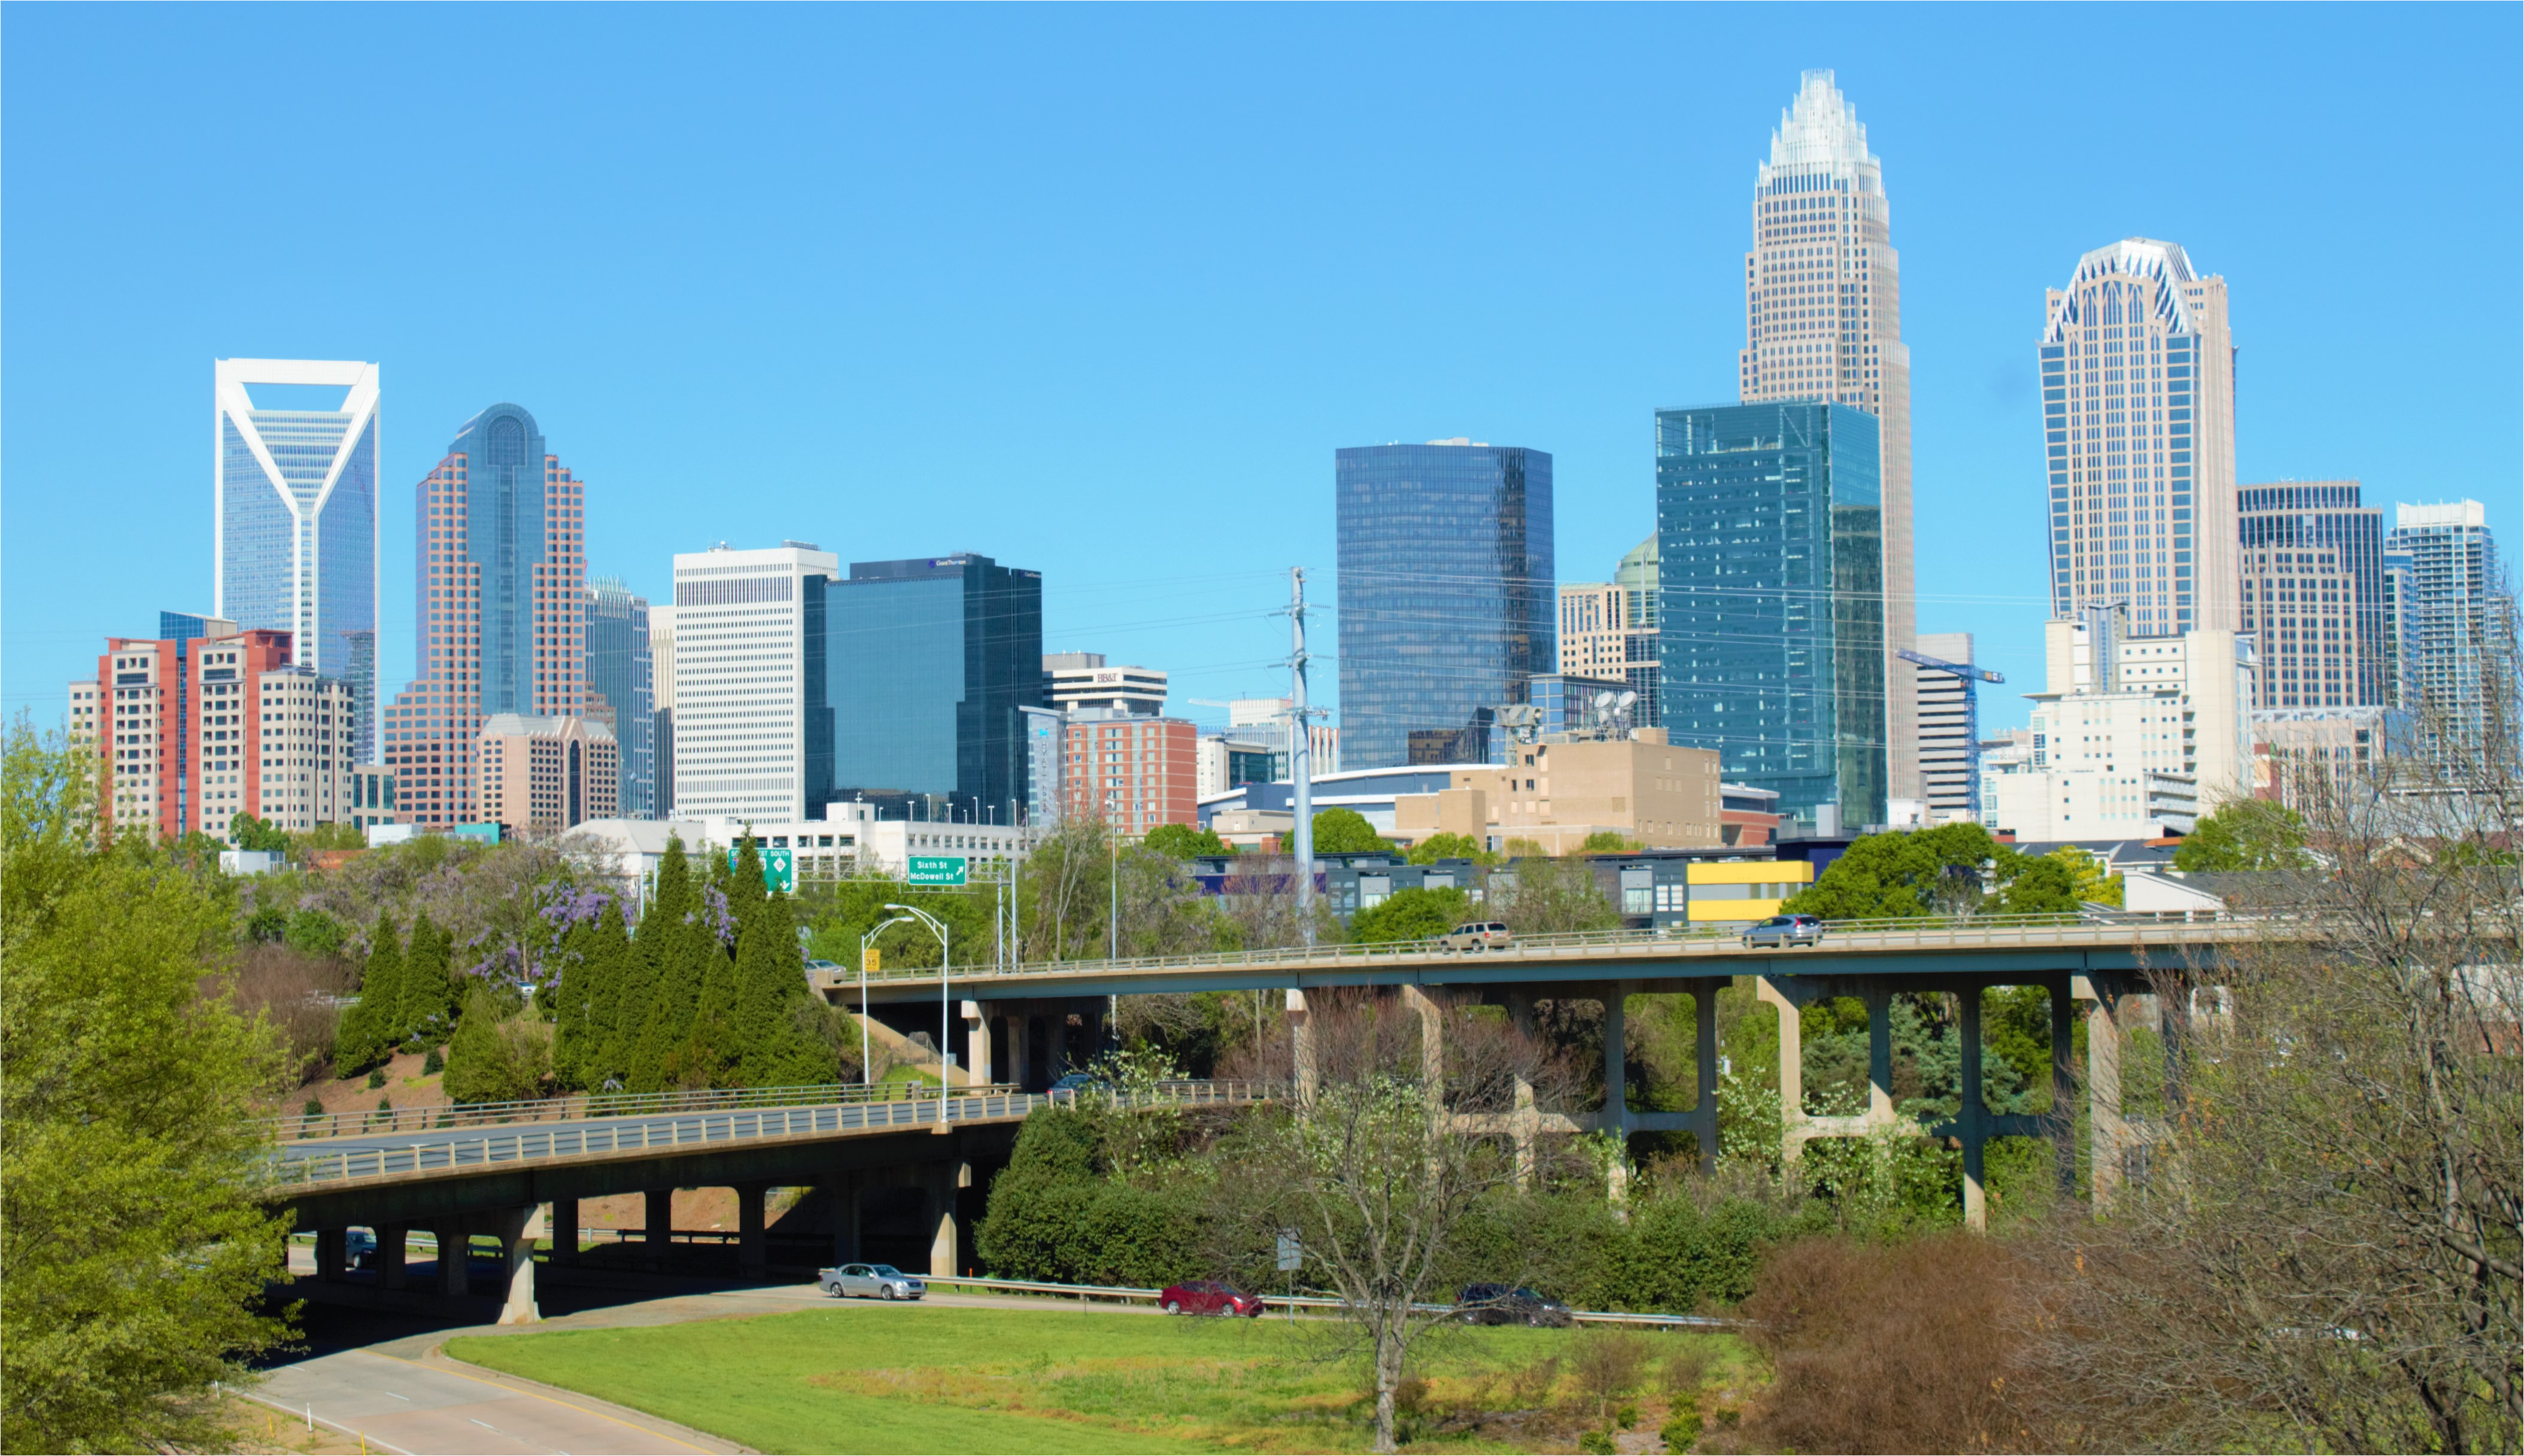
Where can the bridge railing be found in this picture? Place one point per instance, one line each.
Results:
(300, 1166)
(1924, 929)
(584, 1107)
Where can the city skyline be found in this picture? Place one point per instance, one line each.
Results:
(1968, 270)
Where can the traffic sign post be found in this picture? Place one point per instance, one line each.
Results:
(1291, 1257)
(936, 869)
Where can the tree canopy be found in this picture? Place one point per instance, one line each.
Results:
(1438, 846)
(1340, 831)
(1185, 842)
(1413, 914)
(1908, 872)
(2245, 833)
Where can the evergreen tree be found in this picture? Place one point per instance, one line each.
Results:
(579, 991)
(428, 1002)
(367, 1033)
(670, 937)
(776, 1049)
(606, 969)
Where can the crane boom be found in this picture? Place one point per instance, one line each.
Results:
(1958, 669)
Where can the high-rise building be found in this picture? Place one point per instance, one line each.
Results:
(1772, 632)
(499, 608)
(2310, 564)
(753, 662)
(932, 660)
(1608, 629)
(2446, 623)
(662, 677)
(294, 501)
(1822, 316)
(1446, 591)
(621, 688)
(540, 776)
(1949, 730)
(2138, 392)
(1086, 680)
(1132, 771)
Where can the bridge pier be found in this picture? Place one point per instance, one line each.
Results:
(752, 1254)
(331, 1244)
(658, 1233)
(454, 1257)
(517, 1230)
(1704, 1109)
(944, 1180)
(2108, 1135)
(977, 1045)
(393, 1241)
(1301, 1047)
(1525, 1122)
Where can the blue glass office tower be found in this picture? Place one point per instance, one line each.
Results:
(621, 682)
(1771, 636)
(1446, 591)
(931, 660)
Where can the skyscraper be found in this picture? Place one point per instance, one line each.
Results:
(1608, 629)
(1446, 590)
(294, 502)
(2138, 391)
(2311, 571)
(932, 660)
(754, 714)
(499, 608)
(621, 688)
(1822, 315)
(2446, 620)
(1772, 632)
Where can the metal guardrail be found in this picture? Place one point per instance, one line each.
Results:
(1923, 932)
(297, 1166)
(583, 1106)
(1128, 1294)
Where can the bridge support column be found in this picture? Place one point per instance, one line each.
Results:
(1526, 1121)
(1879, 997)
(331, 1244)
(1020, 1060)
(844, 1188)
(454, 1257)
(1301, 1047)
(519, 1228)
(752, 1259)
(2105, 1133)
(1432, 1013)
(658, 1232)
(1792, 1068)
(977, 1045)
(1972, 1119)
(944, 1180)
(1616, 1088)
(564, 1232)
(2063, 1088)
(1704, 1111)
(393, 1240)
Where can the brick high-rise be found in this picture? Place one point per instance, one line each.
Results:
(1823, 314)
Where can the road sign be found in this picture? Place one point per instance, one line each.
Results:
(779, 869)
(1290, 1256)
(868, 961)
(937, 869)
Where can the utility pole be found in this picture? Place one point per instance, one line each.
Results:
(1302, 758)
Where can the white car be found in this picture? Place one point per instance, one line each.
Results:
(871, 1281)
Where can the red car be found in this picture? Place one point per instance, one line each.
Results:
(1208, 1296)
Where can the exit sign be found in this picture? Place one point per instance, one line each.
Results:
(779, 869)
(937, 869)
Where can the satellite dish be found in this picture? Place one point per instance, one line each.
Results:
(1625, 701)
(1603, 700)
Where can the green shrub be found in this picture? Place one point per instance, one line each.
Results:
(376, 1078)
(432, 1064)
(314, 1108)
(1625, 1416)
(1596, 1442)
(1682, 1429)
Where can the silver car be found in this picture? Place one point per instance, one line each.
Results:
(1785, 931)
(871, 1281)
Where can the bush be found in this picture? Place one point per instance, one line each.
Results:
(432, 1064)
(497, 1060)
(1597, 1442)
(314, 1108)
(1413, 914)
(376, 1078)
(1682, 1429)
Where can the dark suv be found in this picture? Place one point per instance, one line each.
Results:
(1504, 1304)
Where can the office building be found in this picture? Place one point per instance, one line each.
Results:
(1263, 722)
(1559, 792)
(1446, 590)
(372, 795)
(1949, 730)
(622, 688)
(2133, 736)
(1046, 737)
(932, 660)
(294, 504)
(541, 775)
(1608, 629)
(1221, 761)
(1132, 771)
(2138, 402)
(1823, 314)
(2446, 621)
(2301, 752)
(2310, 565)
(1772, 632)
(499, 609)
(753, 724)
(1084, 680)
(1591, 639)
(1565, 706)
(661, 733)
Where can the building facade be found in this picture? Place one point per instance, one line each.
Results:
(1086, 680)
(661, 732)
(541, 775)
(2310, 564)
(1446, 589)
(1132, 771)
(622, 688)
(499, 609)
(753, 723)
(1608, 630)
(1046, 740)
(294, 504)
(1949, 730)
(1823, 323)
(1560, 792)
(2445, 621)
(2138, 402)
(1772, 632)
(932, 660)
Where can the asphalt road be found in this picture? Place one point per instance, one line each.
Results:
(430, 1404)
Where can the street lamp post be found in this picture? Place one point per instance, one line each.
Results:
(945, 958)
(866, 1071)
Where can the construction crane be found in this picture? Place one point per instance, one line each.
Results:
(1972, 678)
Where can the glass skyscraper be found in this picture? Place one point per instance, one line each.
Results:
(294, 498)
(2311, 569)
(1769, 538)
(1446, 591)
(2447, 624)
(932, 658)
(622, 687)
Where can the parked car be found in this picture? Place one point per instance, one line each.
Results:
(359, 1249)
(1504, 1304)
(871, 1281)
(1785, 930)
(1081, 1082)
(1480, 935)
(1208, 1297)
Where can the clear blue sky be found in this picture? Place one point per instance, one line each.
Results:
(1098, 291)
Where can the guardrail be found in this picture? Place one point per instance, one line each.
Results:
(1127, 1294)
(295, 1165)
(2170, 927)
(584, 1107)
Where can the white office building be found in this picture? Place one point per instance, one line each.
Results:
(1076, 680)
(753, 713)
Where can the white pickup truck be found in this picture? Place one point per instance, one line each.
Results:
(871, 1281)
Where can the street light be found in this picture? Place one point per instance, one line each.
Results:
(867, 1070)
(944, 959)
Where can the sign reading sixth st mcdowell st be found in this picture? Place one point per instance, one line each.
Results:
(937, 869)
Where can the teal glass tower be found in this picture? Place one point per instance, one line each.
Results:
(1771, 632)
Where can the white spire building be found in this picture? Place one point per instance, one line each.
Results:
(1822, 316)
(2138, 391)
(294, 508)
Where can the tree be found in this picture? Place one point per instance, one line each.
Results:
(497, 1055)
(1910, 872)
(1341, 831)
(373, 1027)
(1607, 842)
(251, 833)
(774, 1046)
(2044, 885)
(1414, 914)
(136, 1251)
(429, 991)
(1184, 842)
(1438, 846)
(2245, 833)
(2094, 882)
(1543, 895)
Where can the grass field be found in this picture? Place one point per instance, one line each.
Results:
(879, 1379)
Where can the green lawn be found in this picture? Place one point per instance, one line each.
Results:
(875, 1379)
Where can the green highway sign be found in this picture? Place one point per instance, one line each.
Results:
(779, 869)
(937, 869)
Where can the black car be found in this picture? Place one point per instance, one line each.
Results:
(1502, 1304)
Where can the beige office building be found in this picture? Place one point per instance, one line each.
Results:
(1558, 793)
(1822, 308)
(540, 775)
(2138, 388)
